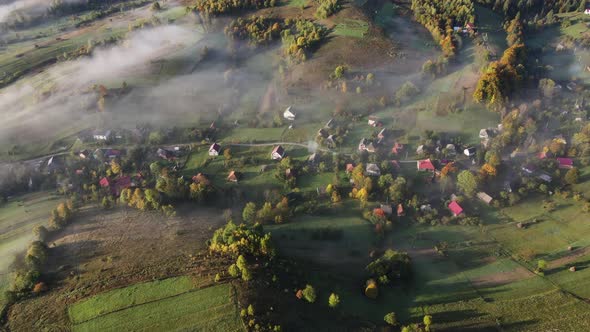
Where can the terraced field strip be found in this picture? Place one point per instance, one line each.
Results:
(171, 304)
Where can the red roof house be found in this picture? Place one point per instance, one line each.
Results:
(202, 179)
(349, 168)
(232, 177)
(565, 162)
(455, 208)
(425, 165)
(400, 210)
(104, 182)
(397, 148)
(121, 183)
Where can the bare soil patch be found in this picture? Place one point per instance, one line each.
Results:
(102, 250)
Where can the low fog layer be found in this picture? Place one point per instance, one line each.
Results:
(64, 98)
(27, 7)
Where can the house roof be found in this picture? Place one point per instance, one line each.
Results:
(278, 149)
(386, 208)
(104, 182)
(373, 168)
(201, 178)
(215, 147)
(565, 162)
(400, 209)
(484, 197)
(232, 176)
(426, 164)
(288, 112)
(123, 182)
(397, 148)
(455, 208)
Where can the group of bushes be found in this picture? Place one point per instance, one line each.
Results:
(220, 7)
(26, 279)
(439, 17)
(257, 30)
(327, 8)
(301, 37)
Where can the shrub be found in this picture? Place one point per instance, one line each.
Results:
(233, 270)
(390, 318)
(246, 274)
(39, 287)
(309, 294)
(40, 233)
(371, 289)
(333, 300)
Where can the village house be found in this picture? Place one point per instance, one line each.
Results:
(277, 153)
(349, 168)
(455, 208)
(289, 173)
(289, 114)
(420, 149)
(232, 177)
(545, 177)
(165, 154)
(382, 134)
(214, 149)
(469, 152)
(425, 165)
(373, 122)
(373, 170)
(528, 168)
(84, 154)
(366, 145)
(322, 132)
(565, 163)
(115, 186)
(386, 209)
(53, 165)
(330, 141)
(313, 158)
(201, 179)
(99, 135)
(397, 148)
(400, 210)
(329, 124)
(587, 11)
(484, 197)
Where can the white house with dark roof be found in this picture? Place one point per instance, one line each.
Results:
(289, 114)
(214, 149)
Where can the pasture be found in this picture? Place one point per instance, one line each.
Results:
(18, 217)
(483, 280)
(173, 304)
(351, 28)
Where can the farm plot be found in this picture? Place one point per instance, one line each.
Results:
(172, 304)
(17, 219)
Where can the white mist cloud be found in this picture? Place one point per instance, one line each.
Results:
(30, 7)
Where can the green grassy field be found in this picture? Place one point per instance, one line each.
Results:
(171, 304)
(17, 219)
(351, 28)
(296, 3)
(481, 283)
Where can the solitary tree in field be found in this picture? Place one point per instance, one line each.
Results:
(467, 183)
(249, 212)
(572, 176)
(390, 319)
(427, 322)
(309, 294)
(333, 300)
